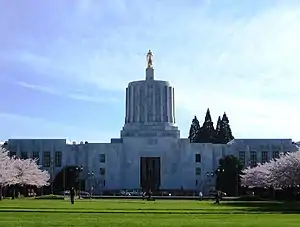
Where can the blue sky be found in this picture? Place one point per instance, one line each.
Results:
(65, 64)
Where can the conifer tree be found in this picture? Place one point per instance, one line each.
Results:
(218, 131)
(228, 175)
(207, 132)
(225, 130)
(194, 130)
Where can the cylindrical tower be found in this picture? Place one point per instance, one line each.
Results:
(149, 106)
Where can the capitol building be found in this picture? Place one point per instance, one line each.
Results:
(149, 152)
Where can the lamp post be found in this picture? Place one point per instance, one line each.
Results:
(237, 180)
(209, 176)
(102, 184)
(79, 170)
(219, 171)
(90, 174)
(64, 179)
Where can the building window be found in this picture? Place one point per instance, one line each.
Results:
(58, 157)
(12, 153)
(102, 158)
(36, 155)
(264, 156)
(24, 155)
(196, 182)
(198, 171)
(46, 159)
(102, 171)
(242, 157)
(198, 158)
(275, 154)
(253, 158)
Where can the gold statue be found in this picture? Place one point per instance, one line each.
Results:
(149, 59)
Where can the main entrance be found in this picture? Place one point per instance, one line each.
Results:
(150, 173)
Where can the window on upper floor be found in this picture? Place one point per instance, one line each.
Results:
(102, 158)
(197, 171)
(58, 158)
(253, 158)
(36, 155)
(102, 171)
(275, 154)
(264, 156)
(197, 158)
(242, 157)
(24, 155)
(46, 159)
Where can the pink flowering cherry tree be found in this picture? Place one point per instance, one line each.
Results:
(22, 172)
(27, 172)
(282, 172)
(258, 176)
(6, 170)
(286, 170)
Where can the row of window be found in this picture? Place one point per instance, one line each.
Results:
(253, 157)
(46, 157)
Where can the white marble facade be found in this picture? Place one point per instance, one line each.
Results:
(149, 131)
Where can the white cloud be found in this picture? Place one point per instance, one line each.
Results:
(39, 88)
(69, 94)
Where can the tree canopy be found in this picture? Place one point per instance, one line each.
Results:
(15, 171)
(280, 173)
(194, 130)
(222, 134)
(228, 175)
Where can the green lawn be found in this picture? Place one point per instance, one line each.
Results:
(33, 213)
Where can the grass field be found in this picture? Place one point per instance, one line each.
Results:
(131, 213)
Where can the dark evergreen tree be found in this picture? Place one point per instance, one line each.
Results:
(194, 130)
(225, 135)
(207, 132)
(228, 175)
(218, 139)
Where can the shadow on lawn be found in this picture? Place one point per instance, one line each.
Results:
(135, 212)
(233, 208)
(267, 207)
(158, 210)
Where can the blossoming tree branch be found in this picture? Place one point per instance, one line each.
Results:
(20, 172)
(280, 173)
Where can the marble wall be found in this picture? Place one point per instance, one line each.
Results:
(179, 168)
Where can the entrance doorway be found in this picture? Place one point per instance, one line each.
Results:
(150, 173)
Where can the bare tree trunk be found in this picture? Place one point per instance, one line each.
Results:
(0, 192)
